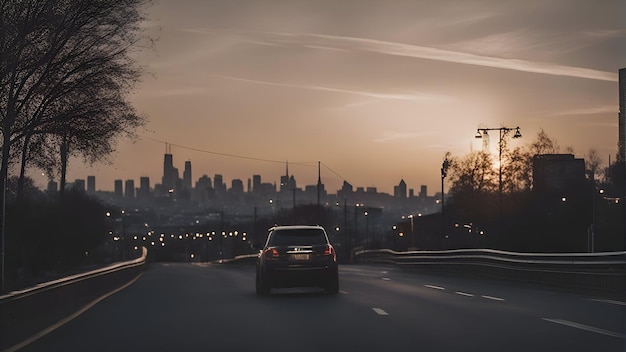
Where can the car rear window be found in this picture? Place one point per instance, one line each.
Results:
(301, 237)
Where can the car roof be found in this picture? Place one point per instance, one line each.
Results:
(295, 227)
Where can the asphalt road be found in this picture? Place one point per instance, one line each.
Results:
(204, 307)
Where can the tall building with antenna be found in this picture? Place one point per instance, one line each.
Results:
(621, 144)
(187, 175)
(169, 172)
(287, 183)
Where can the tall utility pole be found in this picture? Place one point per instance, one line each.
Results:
(444, 173)
(319, 183)
(482, 133)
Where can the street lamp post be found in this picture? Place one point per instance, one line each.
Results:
(444, 173)
(367, 228)
(412, 232)
(482, 133)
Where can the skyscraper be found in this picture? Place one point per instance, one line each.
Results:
(144, 187)
(399, 191)
(129, 189)
(622, 116)
(256, 183)
(119, 190)
(169, 173)
(219, 185)
(187, 175)
(91, 184)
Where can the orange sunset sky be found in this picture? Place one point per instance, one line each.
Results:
(377, 91)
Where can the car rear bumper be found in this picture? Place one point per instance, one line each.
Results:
(300, 276)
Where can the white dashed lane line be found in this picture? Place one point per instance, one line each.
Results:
(435, 287)
(493, 298)
(380, 311)
(465, 294)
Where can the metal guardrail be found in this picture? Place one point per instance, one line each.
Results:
(418, 257)
(26, 312)
(68, 280)
(602, 272)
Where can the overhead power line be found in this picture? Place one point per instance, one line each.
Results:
(301, 163)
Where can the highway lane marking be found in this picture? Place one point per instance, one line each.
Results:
(493, 298)
(68, 319)
(344, 292)
(585, 327)
(386, 279)
(610, 301)
(380, 311)
(464, 294)
(435, 287)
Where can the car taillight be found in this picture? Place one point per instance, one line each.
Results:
(271, 253)
(329, 250)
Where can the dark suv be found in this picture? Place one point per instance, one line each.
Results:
(297, 256)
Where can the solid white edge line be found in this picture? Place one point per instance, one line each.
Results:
(493, 298)
(464, 294)
(67, 319)
(380, 311)
(585, 327)
(435, 287)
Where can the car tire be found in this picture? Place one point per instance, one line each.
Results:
(262, 288)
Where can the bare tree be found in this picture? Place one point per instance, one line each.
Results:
(66, 69)
(593, 161)
(543, 144)
(56, 57)
(473, 174)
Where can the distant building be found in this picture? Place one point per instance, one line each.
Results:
(118, 188)
(287, 183)
(399, 191)
(91, 184)
(78, 185)
(219, 185)
(170, 174)
(204, 188)
(423, 191)
(622, 116)
(558, 173)
(144, 188)
(256, 183)
(236, 187)
(129, 190)
(187, 175)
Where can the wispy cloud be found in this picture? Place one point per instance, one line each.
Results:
(339, 90)
(588, 111)
(355, 44)
(396, 136)
(423, 52)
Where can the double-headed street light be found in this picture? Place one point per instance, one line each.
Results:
(481, 133)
